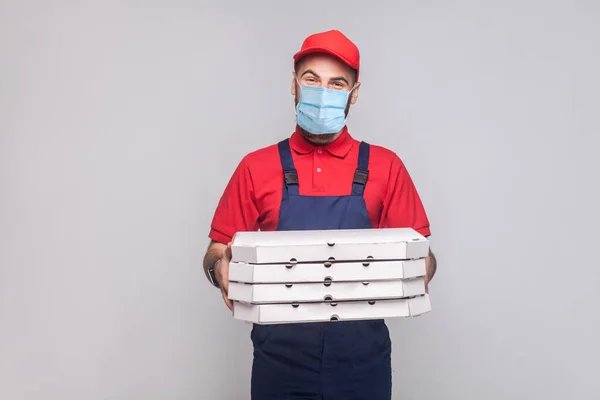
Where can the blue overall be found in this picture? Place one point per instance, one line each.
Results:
(343, 360)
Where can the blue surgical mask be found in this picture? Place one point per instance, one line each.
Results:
(320, 110)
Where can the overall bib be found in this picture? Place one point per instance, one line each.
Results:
(343, 360)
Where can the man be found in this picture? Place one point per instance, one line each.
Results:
(319, 178)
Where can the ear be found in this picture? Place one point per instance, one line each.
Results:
(354, 94)
(294, 84)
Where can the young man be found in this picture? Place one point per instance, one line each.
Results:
(319, 178)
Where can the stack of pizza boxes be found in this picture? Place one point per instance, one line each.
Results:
(329, 275)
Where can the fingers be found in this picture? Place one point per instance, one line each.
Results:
(222, 272)
(225, 277)
(227, 251)
(228, 302)
(223, 268)
(222, 275)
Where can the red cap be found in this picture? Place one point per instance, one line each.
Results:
(331, 42)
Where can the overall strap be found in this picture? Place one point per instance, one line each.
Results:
(362, 171)
(290, 175)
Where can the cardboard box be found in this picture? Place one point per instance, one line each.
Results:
(265, 314)
(320, 272)
(329, 291)
(280, 247)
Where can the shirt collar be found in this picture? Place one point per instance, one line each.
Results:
(339, 147)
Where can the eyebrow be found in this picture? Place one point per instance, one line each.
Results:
(310, 71)
(340, 78)
(337, 78)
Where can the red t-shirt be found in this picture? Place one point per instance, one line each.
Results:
(253, 195)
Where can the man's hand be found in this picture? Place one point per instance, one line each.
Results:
(431, 267)
(222, 275)
(222, 253)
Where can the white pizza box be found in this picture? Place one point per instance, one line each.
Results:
(264, 247)
(266, 314)
(328, 291)
(321, 272)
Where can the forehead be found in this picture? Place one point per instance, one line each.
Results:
(323, 65)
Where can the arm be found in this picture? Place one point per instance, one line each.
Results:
(403, 208)
(236, 212)
(213, 254)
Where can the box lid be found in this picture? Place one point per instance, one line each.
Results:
(328, 291)
(266, 314)
(321, 272)
(322, 245)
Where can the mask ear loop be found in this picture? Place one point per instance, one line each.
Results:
(348, 102)
(300, 89)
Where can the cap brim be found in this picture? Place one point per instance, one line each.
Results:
(326, 50)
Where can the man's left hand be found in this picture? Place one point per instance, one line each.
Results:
(430, 267)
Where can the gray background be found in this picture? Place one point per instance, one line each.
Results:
(121, 121)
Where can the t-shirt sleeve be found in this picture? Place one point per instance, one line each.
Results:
(402, 206)
(236, 210)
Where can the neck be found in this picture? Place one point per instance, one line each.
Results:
(320, 140)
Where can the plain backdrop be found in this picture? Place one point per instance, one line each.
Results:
(121, 122)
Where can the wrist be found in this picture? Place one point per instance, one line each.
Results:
(212, 273)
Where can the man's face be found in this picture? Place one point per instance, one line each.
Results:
(324, 70)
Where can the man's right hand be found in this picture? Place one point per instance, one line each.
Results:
(222, 275)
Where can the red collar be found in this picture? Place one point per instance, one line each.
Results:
(339, 147)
